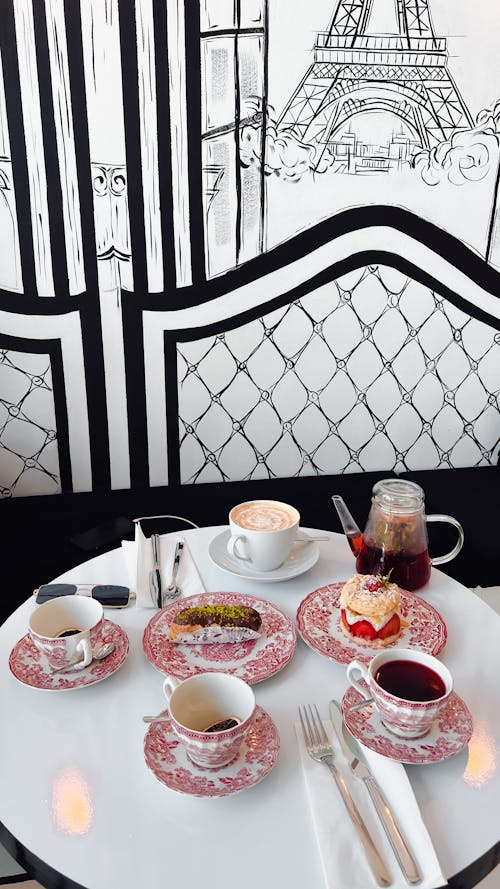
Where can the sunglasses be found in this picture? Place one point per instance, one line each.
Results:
(109, 595)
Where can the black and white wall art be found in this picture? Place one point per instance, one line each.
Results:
(246, 239)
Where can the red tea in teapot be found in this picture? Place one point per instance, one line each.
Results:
(409, 570)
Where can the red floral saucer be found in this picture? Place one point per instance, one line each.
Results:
(318, 622)
(29, 665)
(167, 759)
(252, 661)
(449, 735)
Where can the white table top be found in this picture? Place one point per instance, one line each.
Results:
(137, 832)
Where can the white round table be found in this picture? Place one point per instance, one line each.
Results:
(129, 830)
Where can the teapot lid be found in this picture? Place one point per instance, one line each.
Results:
(398, 495)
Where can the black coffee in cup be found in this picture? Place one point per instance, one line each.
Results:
(72, 632)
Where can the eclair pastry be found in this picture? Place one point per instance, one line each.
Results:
(215, 623)
(370, 610)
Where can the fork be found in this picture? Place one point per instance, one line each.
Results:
(320, 749)
(172, 591)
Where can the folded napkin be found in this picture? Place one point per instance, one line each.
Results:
(341, 852)
(139, 560)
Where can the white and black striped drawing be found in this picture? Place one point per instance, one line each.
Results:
(184, 188)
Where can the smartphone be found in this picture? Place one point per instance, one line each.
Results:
(102, 535)
(109, 595)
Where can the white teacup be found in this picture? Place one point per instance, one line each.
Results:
(262, 532)
(66, 629)
(408, 688)
(206, 700)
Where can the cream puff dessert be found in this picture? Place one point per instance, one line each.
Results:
(370, 610)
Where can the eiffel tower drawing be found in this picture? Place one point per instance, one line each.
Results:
(366, 63)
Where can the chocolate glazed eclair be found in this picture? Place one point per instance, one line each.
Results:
(215, 623)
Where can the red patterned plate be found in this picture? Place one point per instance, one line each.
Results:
(449, 735)
(252, 661)
(30, 667)
(318, 622)
(168, 760)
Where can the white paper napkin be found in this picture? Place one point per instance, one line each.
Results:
(341, 852)
(139, 560)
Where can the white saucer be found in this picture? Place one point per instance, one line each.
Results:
(169, 762)
(303, 556)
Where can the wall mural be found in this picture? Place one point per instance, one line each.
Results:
(236, 243)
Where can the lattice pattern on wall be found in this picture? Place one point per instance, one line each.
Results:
(371, 372)
(29, 460)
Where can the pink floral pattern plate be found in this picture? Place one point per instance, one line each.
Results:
(318, 622)
(29, 665)
(169, 762)
(449, 735)
(252, 661)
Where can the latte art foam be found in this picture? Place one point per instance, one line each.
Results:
(263, 516)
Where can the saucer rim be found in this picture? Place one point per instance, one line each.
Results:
(26, 640)
(419, 758)
(220, 771)
(277, 575)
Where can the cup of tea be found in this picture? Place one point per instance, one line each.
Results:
(210, 714)
(66, 629)
(408, 688)
(262, 532)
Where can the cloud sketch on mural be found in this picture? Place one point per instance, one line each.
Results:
(467, 155)
(285, 154)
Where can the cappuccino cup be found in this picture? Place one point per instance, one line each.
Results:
(66, 629)
(408, 687)
(210, 714)
(262, 533)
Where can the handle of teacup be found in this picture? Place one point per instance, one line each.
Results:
(85, 646)
(360, 668)
(232, 548)
(169, 686)
(439, 560)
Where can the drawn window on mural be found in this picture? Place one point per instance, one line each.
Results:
(233, 76)
(356, 103)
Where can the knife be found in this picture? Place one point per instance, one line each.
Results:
(354, 756)
(155, 574)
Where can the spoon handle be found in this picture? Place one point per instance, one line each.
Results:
(156, 718)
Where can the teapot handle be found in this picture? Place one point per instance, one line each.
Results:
(439, 560)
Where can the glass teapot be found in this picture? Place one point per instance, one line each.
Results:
(395, 537)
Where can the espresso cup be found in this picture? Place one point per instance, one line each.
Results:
(66, 629)
(262, 532)
(210, 700)
(408, 687)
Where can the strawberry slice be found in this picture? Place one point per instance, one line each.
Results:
(363, 629)
(390, 628)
